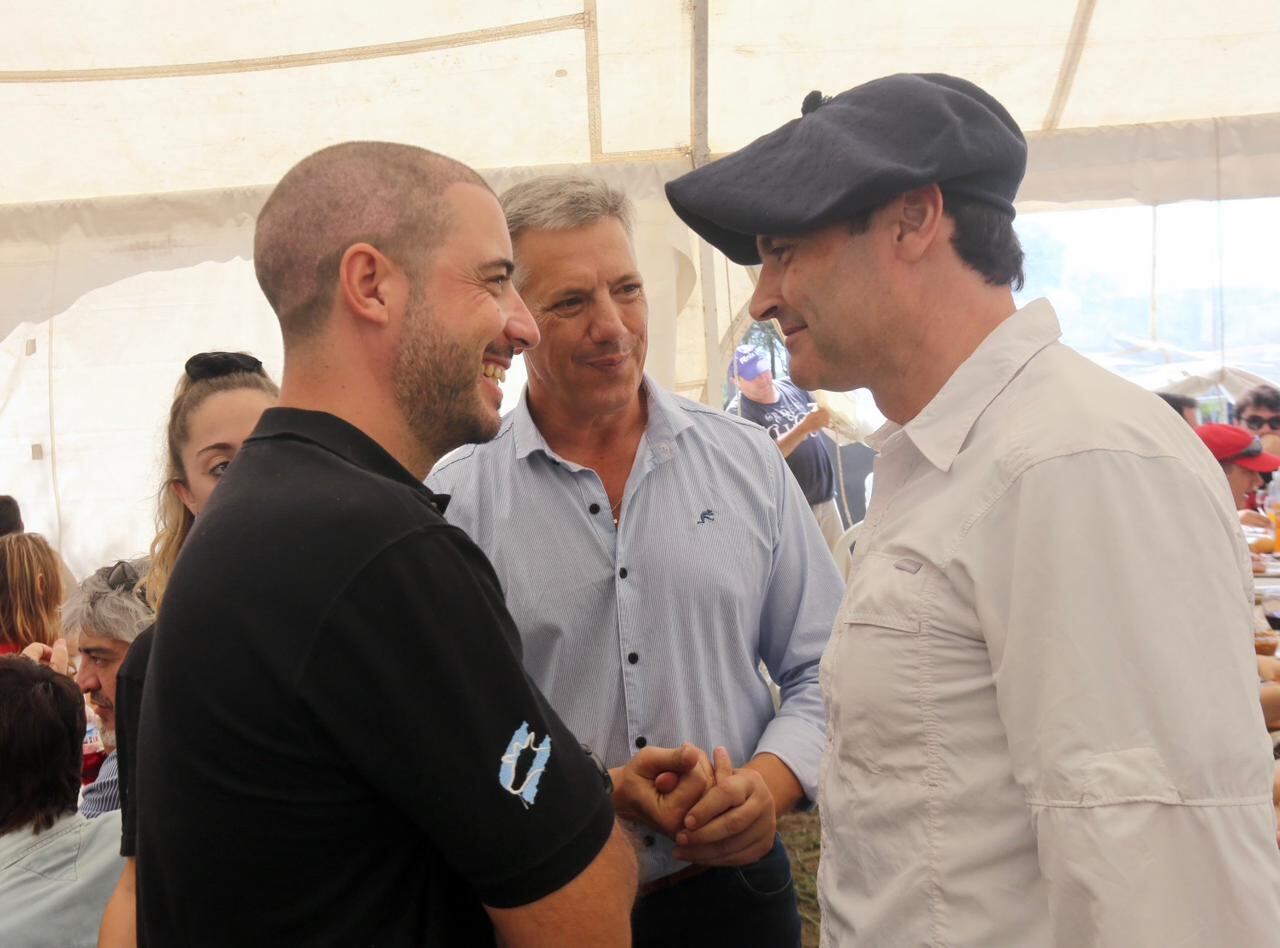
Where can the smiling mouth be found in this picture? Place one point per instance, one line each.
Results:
(494, 371)
(609, 362)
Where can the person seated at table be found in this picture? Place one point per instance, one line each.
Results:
(1243, 462)
(1258, 410)
(57, 868)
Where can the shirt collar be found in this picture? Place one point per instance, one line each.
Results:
(341, 438)
(666, 421)
(940, 430)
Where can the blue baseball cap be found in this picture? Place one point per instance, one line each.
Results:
(748, 363)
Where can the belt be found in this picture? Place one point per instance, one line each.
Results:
(667, 882)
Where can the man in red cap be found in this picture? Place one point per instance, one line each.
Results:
(1242, 458)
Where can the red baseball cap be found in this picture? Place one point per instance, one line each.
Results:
(1229, 443)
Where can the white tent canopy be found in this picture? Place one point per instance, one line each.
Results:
(143, 96)
(145, 134)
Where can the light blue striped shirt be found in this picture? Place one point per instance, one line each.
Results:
(103, 795)
(652, 633)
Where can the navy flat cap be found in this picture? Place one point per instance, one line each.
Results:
(852, 152)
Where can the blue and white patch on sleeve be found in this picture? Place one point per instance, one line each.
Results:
(522, 741)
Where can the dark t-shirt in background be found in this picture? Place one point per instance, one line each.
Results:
(339, 745)
(809, 462)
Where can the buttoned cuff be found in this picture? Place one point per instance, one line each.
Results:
(798, 743)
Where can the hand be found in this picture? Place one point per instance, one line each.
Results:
(1266, 643)
(734, 824)
(1251, 518)
(1268, 668)
(817, 419)
(659, 785)
(55, 656)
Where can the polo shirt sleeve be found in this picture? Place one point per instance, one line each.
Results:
(1111, 590)
(416, 679)
(799, 607)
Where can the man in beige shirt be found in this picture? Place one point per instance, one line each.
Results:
(1042, 703)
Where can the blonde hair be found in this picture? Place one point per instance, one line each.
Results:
(28, 613)
(173, 519)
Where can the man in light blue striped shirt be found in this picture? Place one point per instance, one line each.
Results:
(654, 552)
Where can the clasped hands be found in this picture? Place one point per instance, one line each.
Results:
(717, 814)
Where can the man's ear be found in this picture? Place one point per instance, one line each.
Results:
(369, 284)
(918, 223)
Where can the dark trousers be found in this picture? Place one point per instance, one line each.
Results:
(748, 907)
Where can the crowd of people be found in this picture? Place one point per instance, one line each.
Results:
(400, 671)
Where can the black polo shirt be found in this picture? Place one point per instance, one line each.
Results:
(338, 744)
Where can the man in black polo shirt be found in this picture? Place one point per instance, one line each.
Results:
(338, 743)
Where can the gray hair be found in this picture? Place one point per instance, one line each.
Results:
(563, 202)
(110, 605)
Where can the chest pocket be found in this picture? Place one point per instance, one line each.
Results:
(876, 669)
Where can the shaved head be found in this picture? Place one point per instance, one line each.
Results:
(383, 194)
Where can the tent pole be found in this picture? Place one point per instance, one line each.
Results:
(591, 34)
(701, 154)
(1070, 63)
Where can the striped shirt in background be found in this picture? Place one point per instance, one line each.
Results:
(103, 795)
(652, 633)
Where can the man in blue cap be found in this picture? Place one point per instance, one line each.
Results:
(795, 424)
(1032, 739)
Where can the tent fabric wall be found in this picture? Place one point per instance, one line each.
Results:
(1219, 159)
(131, 287)
(139, 96)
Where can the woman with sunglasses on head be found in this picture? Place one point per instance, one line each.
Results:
(218, 402)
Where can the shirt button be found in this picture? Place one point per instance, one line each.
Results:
(640, 742)
(623, 572)
(594, 508)
(649, 841)
(633, 658)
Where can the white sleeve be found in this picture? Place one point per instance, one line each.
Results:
(1114, 601)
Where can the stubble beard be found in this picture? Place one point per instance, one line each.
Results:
(437, 386)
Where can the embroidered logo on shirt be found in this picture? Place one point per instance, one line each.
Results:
(707, 516)
(522, 741)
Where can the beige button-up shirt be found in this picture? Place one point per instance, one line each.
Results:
(1043, 710)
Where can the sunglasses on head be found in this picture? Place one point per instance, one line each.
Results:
(122, 577)
(1258, 422)
(212, 365)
